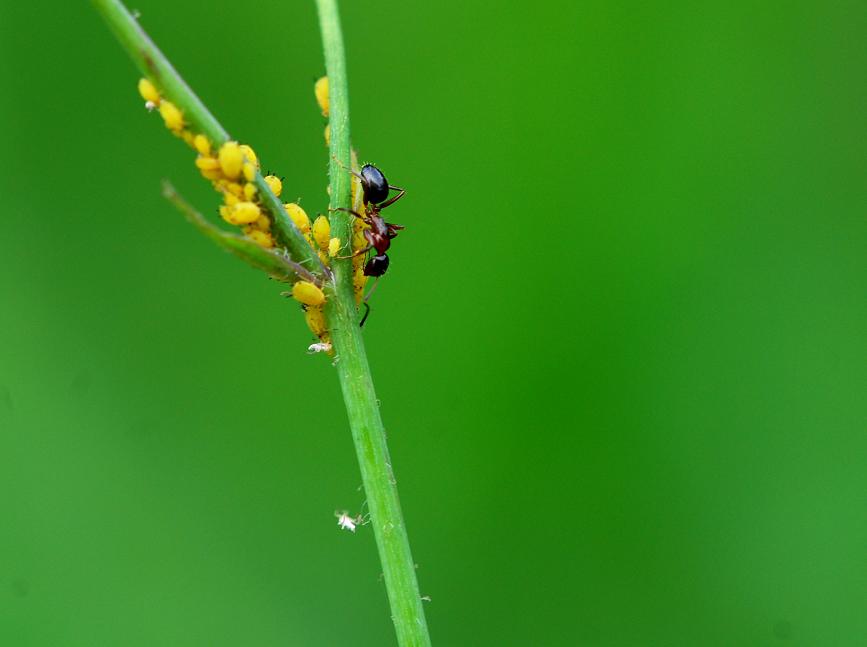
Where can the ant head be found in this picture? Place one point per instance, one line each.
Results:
(374, 184)
(376, 266)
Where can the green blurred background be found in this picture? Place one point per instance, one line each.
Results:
(620, 350)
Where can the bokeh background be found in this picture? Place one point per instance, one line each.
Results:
(620, 350)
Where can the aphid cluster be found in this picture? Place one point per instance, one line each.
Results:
(232, 169)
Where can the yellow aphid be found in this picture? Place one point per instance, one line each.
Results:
(250, 154)
(359, 280)
(249, 171)
(188, 138)
(299, 216)
(244, 213)
(328, 135)
(275, 183)
(262, 238)
(322, 232)
(212, 174)
(202, 144)
(230, 199)
(321, 92)
(249, 191)
(358, 240)
(207, 163)
(148, 91)
(308, 294)
(235, 189)
(226, 213)
(333, 247)
(264, 223)
(173, 117)
(315, 319)
(231, 159)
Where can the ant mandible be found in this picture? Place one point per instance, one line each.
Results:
(375, 190)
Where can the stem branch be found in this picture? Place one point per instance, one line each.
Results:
(155, 66)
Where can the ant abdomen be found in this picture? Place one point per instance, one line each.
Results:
(377, 265)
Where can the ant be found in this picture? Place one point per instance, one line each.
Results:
(375, 189)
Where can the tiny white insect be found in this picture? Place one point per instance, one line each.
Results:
(150, 105)
(319, 347)
(345, 522)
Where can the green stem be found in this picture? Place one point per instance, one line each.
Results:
(352, 368)
(361, 404)
(155, 66)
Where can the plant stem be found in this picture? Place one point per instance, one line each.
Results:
(354, 373)
(362, 407)
(155, 66)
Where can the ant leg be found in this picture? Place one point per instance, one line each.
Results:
(368, 237)
(358, 253)
(366, 314)
(366, 304)
(392, 229)
(354, 213)
(391, 201)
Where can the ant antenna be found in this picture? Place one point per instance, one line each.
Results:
(341, 165)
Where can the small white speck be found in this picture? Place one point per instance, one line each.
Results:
(345, 522)
(318, 347)
(150, 105)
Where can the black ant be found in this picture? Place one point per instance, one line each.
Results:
(375, 188)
